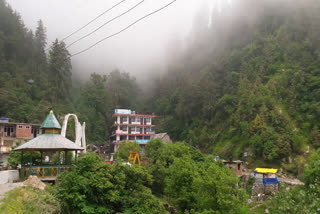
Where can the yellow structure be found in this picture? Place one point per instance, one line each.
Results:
(266, 170)
(134, 157)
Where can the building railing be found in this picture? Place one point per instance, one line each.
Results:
(5, 149)
(4, 134)
(44, 171)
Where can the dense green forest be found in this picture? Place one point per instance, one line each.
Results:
(34, 79)
(248, 83)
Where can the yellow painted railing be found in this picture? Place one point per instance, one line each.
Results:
(44, 171)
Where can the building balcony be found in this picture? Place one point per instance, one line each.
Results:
(139, 141)
(4, 134)
(5, 149)
(134, 115)
(119, 132)
(133, 124)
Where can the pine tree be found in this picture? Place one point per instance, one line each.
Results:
(40, 42)
(59, 72)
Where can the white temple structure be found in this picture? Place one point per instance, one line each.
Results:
(79, 131)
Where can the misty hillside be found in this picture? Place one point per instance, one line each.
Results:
(247, 83)
(242, 84)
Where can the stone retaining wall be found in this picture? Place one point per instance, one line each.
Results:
(9, 176)
(268, 189)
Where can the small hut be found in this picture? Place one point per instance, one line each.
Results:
(52, 142)
(235, 166)
(266, 181)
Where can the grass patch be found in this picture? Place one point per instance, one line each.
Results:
(29, 200)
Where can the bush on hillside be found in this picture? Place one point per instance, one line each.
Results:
(27, 200)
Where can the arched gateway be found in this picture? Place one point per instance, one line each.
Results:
(79, 130)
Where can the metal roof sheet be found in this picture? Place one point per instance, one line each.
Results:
(49, 142)
(266, 170)
(51, 122)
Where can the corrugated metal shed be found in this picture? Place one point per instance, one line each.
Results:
(266, 170)
(49, 142)
(51, 122)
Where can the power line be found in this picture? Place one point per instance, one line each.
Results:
(111, 20)
(104, 12)
(124, 29)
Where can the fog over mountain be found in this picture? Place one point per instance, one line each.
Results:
(142, 50)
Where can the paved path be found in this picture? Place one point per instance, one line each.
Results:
(290, 181)
(7, 187)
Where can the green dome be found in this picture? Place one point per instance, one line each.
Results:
(50, 122)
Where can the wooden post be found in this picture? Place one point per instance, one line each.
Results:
(59, 164)
(30, 172)
(41, 157)
(76, 156)
(65, 157)
(21, 159)
(22, 170)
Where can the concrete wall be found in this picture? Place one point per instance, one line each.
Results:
(9, 176)
(4, 158)
(268, 189)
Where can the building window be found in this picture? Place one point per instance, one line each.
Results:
(148, 119)
(138, 119)
(137, 129)
(239, 166)
(27, 127)
(124, 119)
(124, 128)
(20, 127)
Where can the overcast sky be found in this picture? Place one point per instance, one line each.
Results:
(140, 50)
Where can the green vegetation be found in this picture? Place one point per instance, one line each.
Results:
(124, 150)
(254, 90)
(98, 187)
(193, 182)
(184, 179)
(32, 82)
(257, 92)
(29, 200)
(304, 199)
(249, 83)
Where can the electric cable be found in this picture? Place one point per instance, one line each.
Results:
(111, 20)
(104, 12)
(124, 29)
